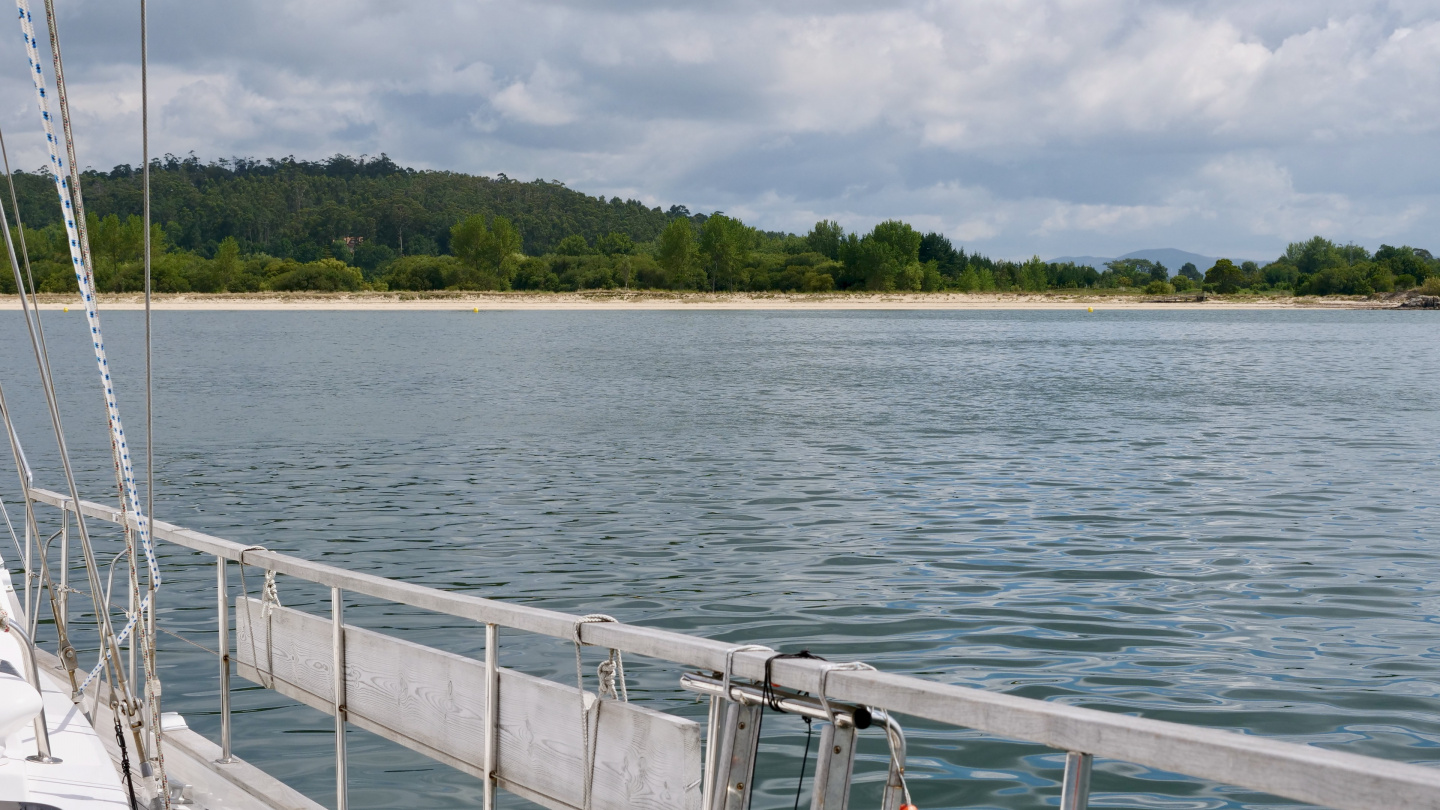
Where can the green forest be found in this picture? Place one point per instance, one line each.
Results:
(244, 225)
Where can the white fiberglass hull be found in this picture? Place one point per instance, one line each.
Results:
(85, 778)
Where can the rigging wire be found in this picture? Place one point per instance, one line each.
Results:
(152, 675)
(72, 204)
(27, 476)
(79, 254)
(47, 383)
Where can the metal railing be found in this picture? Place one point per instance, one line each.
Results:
(42, 753)
(1305, 773)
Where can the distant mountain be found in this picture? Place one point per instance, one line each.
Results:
(1172, 258)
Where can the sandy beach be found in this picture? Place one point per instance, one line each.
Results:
(628, 300)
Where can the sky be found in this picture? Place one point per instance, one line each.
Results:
(1049, 127)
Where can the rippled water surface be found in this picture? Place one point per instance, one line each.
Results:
(1220, 518)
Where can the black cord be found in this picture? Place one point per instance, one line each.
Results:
(767, 691)
(767, 687)
(800, 785)
(125, 762)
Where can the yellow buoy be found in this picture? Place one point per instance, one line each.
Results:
(477, 309)
(67, 309)
(1089, 309)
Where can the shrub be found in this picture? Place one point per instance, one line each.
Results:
(1431, 286)
(818, 282)
(326, 275)
(423, 273)
(1159, 288)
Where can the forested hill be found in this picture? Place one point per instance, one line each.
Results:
(345, 224)
(296, 209)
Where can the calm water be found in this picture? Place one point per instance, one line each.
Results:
(1226, 519)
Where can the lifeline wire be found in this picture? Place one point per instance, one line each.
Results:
(78, 252)
(11, 527)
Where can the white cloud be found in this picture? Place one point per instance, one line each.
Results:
(1216, 125)
(541, 100)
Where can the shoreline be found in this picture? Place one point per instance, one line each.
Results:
(673, 301)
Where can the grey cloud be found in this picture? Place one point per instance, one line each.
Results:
(1050, 127)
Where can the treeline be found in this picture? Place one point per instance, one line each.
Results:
(356, 224)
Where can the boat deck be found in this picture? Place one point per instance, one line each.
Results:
(85, 778)
(88, 775)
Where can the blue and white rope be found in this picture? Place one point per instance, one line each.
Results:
(92, 316)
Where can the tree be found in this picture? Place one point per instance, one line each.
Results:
(1033, 275)
(504, 242)
(1226, 277)
(825, 239)
(887, 258)
(226, 265)
(1135, 272)
(1250, 272)
(935, 247)
(1403, 262)
(676, 252)
(399, 214)
(725, 243)
(1190, 271)
(468, 240)
(1281, 275)
(615, 243)
(115, 242)
(573, 245)
(482, 251)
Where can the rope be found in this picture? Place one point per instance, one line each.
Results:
(804, 758)
(79, 254)
(891, 732)
(269, 600)
(609, 670)
(616, 668)
(848, 666)
(125, 762)
(767, 686)
(730, 664)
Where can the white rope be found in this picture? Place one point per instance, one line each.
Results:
(730, 663)
(609, 671)
(895, 738)
(616, 670)
(269, 600)
(825, 670)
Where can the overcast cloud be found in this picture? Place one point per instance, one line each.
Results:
(1050, 127)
